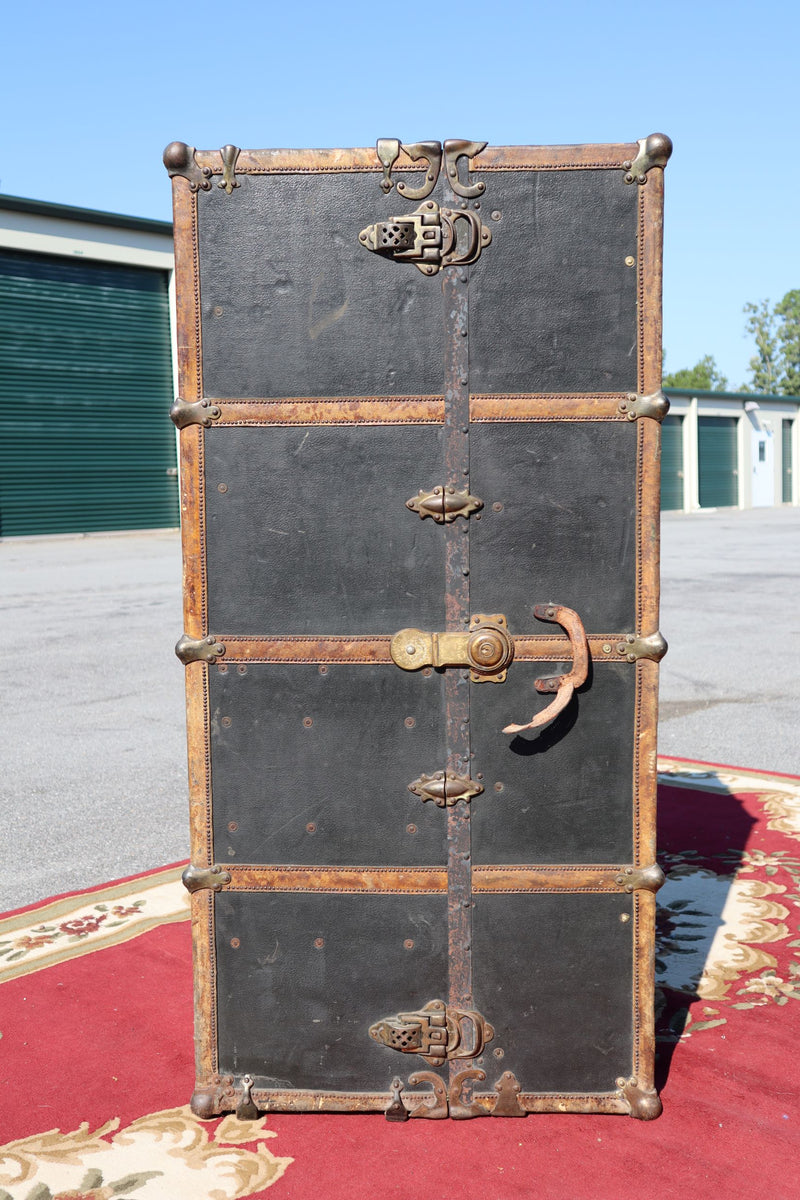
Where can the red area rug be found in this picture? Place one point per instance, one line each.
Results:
(96, 1049)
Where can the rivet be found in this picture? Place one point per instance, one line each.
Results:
(606, 648)
(319, 943)
(465, 471)
(630, 261)
(498, 787)
(427, 672)
(497, 506)
(480, 775)
(464, 380)
(226, 721)
(630, 639)
(232, 826)
(498, 1053)
(308, 722)
(624, 917)
(477, 516)
(411, 648)
(411, 829)
(463, 276)
(222, 487)
(242, 669)
(430, 204)
(222, 668)
(464, 331)
(235, 943)
(621, 1082)
(311, 827)
(408, 944)
(477, 204)
(465, 570)
(410, 722)
(465, 428)
(218, 310)
(323, 670)
(496, 215)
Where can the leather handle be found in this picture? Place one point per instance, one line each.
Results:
(562, 685)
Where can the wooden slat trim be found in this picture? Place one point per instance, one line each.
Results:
(386, 880)
(557, 878)
(546, 406)
(332, 410)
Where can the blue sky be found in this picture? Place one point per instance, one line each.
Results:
(91, 93)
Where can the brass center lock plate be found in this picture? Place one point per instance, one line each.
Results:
(486, 648)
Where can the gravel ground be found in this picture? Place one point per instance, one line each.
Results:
(93, 754)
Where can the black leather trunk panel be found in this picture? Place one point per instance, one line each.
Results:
(312, 533)
(567, 529)
(552, 302)
(293, 305)
(566, 788)
(346, 775)
(294, 1014)
(554, 976)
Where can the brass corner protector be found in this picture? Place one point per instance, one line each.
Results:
(193, 412)
(507, 1103)
(644, 1104)
(180, 159)
(190, 650)
(634, 879)
(655, 405)
(194, 879)
(246, 1109)
(654, 151)
(210, 1099)
(653, 647)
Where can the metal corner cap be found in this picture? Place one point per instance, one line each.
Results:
(653, 151)
(659, 147)
(654, 405)
(193, 412)
(647, 879)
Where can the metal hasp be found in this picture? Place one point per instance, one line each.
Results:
(444, 504)
(445, 788)
(427, 237)
(563, 685)
(454, 150)
(486, 648)
(431, 152)
(437, 1032)
(656, 406)
(194, 879)
(206, 649)
(654, 151)
(193, 412)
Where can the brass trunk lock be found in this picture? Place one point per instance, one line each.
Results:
(487, 649)
(428, 237)
(437, 1032)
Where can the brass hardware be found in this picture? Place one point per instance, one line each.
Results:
(439, 1109)
(444, 504)
(427, 237)
(634, 879)
(653, 647)
(455, 149)
(654, 151)
(460, 1111)
(655, 405)
(207, 649)
(486, 648)
(194, 879)
(436, 1032)
(445, 788)
(644, 1104)
(563, 685)
(388, 151)
(194, 412)
(179, 159)
(396, 1111)
(507, 1103)
(432, 153)
(630, 261)
(229, 156)
(246, 1109)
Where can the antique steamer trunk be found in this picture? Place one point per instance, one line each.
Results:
(420, 425)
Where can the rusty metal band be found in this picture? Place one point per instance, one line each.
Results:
(604, 648)
(455, 292)
(332, 410)
(541, 406)
(398, 880)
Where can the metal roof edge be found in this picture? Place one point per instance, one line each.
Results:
(89, 216)
(705, 393)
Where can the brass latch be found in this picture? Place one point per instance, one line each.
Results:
(436, 1032)
(486, 648)
(445, 788)
(428, 238)
(444, 504)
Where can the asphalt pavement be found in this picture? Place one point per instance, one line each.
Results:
(92, 758)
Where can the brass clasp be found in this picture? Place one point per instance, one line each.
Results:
(436, 1032)
(486, 648)
(428, 238)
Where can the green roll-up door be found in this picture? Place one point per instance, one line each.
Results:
(786, 462)
(716, 445)
(672, 462)
(86, 374)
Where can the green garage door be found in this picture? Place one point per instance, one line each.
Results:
(716, 445)
(85, 365)
(786, 466)
(672, 462)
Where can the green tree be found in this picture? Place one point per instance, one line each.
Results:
(788, 313)
(765, 365)
(704, 375)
